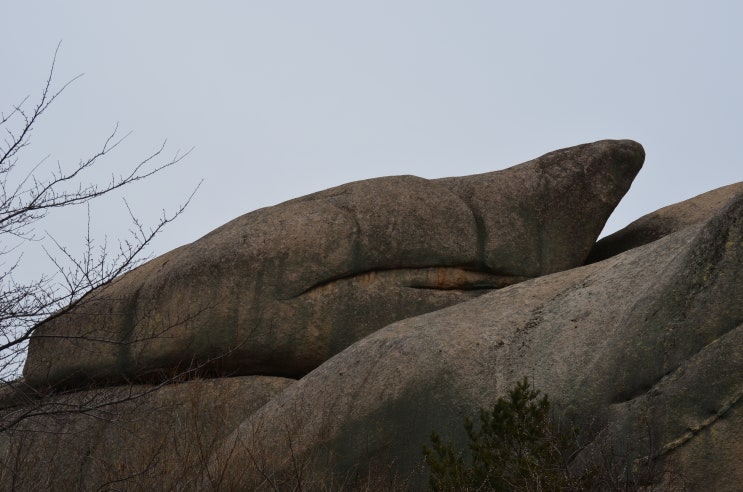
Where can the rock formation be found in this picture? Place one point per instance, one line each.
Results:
(401, 305)
(280, 290)
(647, 342)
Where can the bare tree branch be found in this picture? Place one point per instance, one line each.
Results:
(29, 193)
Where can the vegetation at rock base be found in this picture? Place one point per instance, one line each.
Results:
(516, 446)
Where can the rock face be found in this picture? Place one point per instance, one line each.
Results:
(280, 290)
(402, 306)
(645, 347)
(142, 436)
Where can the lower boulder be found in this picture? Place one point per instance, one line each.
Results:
(139, 437)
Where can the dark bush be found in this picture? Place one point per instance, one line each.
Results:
(516, 446)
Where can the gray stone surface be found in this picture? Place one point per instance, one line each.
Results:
(280, 290)
(645, 343)
(422, 290)
(138, 437)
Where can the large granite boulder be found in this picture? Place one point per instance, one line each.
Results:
(643, 350)
(280, 290)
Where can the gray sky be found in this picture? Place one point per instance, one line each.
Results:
(281, 99)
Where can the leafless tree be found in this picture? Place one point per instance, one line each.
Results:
(29, 194)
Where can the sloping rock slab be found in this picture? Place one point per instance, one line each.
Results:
(647, 342)
(280, 290)
(667, 220)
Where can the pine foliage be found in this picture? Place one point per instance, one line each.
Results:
(516, 446)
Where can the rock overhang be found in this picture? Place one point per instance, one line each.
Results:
(279, 290)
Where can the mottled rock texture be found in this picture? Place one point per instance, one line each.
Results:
(280, 290)
(642, 349)
(134, 437)
(401, 305)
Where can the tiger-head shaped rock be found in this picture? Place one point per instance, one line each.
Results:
(280, 290)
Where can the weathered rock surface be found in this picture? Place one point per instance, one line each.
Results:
(410, 283)
(138, 437)
(280, 290)
(643, 349)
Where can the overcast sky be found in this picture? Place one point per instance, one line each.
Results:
(280, 98)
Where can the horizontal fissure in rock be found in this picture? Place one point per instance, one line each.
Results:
(430, 278)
